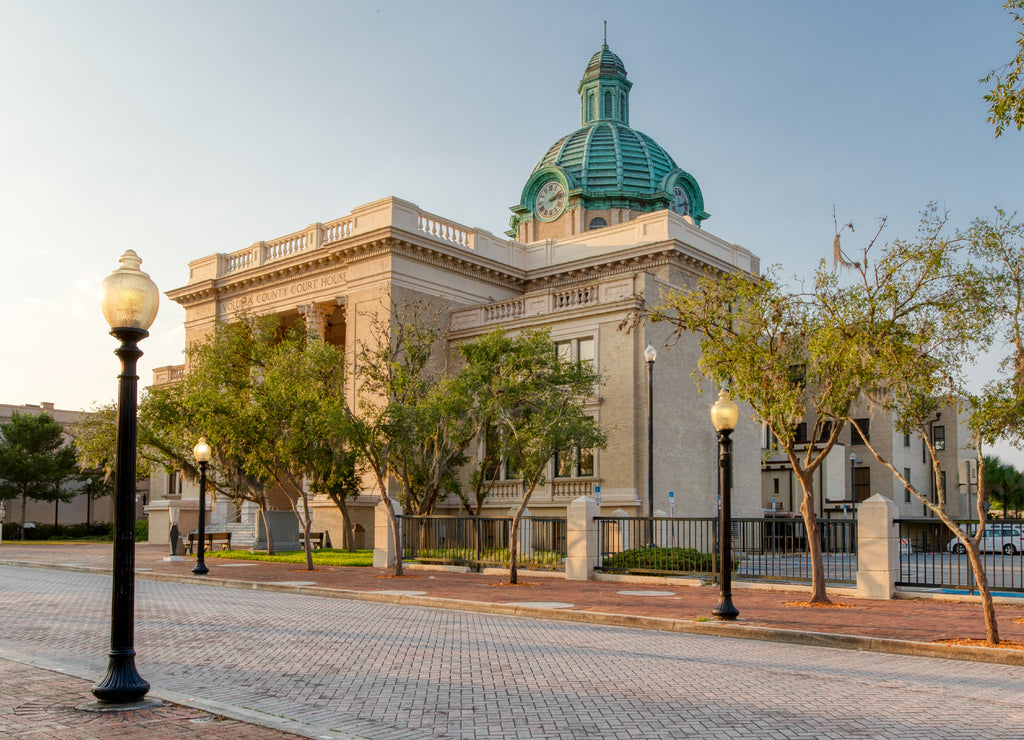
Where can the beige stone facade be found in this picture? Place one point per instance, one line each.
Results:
(340, 274)
(837, 479)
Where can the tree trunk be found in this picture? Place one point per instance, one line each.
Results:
(307, 525)
(347, 540)
(991, 629)
(24, 499)
(513, 544)
(266, 527)
(819, 594)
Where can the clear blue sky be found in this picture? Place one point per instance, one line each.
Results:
(184, 128)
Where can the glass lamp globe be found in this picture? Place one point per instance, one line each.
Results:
(130, 298)
(202, 451)
(725, 413)
(650, 354)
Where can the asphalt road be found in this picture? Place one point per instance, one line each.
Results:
(333, 668)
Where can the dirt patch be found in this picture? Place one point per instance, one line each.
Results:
(392, 575)
(1004, 644)
(808, 604)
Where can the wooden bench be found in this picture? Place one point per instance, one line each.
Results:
(212, 538)
(316, 539)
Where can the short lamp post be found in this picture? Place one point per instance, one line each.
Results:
(853, 484)
(724, 415)
(202, 453)
(650, 355)
(130, 301)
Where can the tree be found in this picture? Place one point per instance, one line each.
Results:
(410, 420)
(1006, 97)
(1005, 485)
(781, 354)
(35, 462)
(532, 403)
(916, 319)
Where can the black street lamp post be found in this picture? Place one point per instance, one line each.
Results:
(130, 301)
(202, 453)
(650, 354)
(724, 415)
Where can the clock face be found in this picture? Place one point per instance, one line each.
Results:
(680, 202)
(550, 201)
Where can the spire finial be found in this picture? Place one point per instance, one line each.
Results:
(605, 44)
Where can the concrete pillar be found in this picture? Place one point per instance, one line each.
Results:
(878, 549)
(385, 549)
(581, 539)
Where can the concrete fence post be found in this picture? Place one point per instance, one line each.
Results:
(385, 549)
(878, 549)
(581, 539)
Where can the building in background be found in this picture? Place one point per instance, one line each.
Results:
(82, 508)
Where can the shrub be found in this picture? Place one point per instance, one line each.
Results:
(682, 559)
(141, 530)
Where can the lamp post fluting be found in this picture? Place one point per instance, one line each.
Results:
(202, 454)
(650, 355)
(724, 415)
(130, 301)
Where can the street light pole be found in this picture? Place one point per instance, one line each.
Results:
(724, 415)
(650, 354)
(202, 453)
(130, 301)
(853, 484)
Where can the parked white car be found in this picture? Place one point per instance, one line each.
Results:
(998, 537)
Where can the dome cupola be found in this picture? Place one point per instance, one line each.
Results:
(604, 172)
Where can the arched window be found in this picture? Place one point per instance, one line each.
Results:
(608, 104)
(591, 106)
(596, 223)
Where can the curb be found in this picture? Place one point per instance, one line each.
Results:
(660, 624)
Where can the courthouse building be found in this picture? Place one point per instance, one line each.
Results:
(605, 219)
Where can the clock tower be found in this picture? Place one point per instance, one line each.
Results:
(605, 172)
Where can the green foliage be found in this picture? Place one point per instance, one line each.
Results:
(141, 530)
(679, 559)
(1004, 484)
(1006, 97)
(493, 555)
(95, 435)
(96, 532)
(358, 558)
(35, 462)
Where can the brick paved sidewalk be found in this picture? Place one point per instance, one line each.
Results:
(919, 620)
(37, 703)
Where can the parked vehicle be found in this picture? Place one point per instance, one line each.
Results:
(998, 537)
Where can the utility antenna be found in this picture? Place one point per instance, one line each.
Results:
(606, 33)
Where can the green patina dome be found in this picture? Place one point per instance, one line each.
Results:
(605, 163)
(608, 156)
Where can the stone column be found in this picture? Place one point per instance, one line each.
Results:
(878, 549)
(385, 549)
(581, 539)
(316, 316)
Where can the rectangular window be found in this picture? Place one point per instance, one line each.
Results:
(859, 437)
(576, 350)
(862, 483)
(906, 489)
(801, 432)
(906, 440)
(939, 437)
(826, 430)
(574, 463)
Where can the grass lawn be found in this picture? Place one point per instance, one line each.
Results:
(362, 558)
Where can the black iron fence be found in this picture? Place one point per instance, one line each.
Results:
(767, 548)
(484, 541)
(932, 557)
